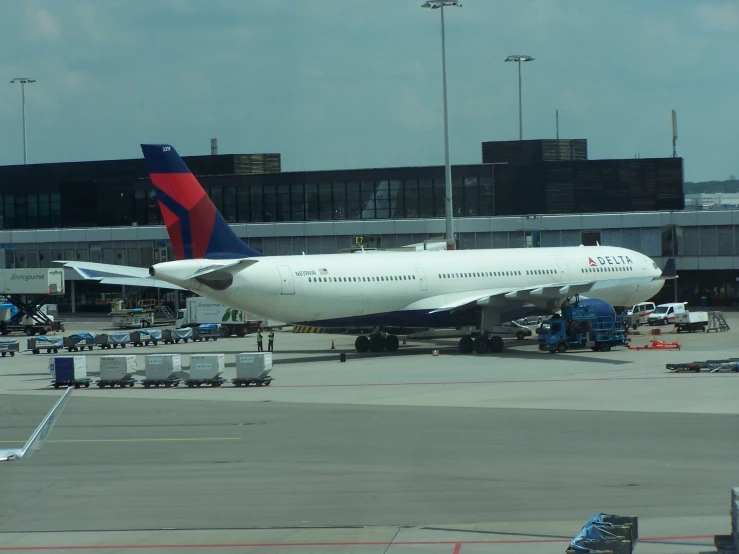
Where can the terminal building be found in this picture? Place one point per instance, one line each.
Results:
(534, 193)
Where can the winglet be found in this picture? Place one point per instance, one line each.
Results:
(670, 270)
(36, 441)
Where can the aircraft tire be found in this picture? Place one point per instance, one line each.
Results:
(362, 344)
(376, 343)
(391, 343)
(495, 344)
(481, 344)
(466, 345)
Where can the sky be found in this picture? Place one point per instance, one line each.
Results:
(338, 84)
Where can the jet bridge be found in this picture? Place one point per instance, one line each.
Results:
(25, 292)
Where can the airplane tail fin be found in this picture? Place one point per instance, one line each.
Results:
(670, 270)
(36, 441)
(196, 228)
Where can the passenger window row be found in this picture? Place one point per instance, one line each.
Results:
(360, 279)
(606, 269)
(478, 274)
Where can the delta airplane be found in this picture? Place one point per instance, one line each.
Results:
(390, 292)
(36, 440)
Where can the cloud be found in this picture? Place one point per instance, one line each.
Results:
(722, 16)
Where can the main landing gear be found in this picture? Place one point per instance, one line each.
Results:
(480, 344)
(377, 342)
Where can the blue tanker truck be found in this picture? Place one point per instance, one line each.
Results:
(586, 323)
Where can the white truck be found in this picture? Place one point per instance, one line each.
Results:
(691, 321)
(199, 311)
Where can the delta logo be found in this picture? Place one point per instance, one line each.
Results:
(609, 260)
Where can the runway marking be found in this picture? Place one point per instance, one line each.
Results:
(190, 439)
(457, 544)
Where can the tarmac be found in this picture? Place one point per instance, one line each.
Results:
(391, 453)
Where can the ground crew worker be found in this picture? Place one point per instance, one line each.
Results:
(270, 340)
(259, 341)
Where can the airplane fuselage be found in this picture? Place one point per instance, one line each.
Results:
(413, 289)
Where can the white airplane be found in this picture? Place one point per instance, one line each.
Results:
(36, 441)
(391, 292)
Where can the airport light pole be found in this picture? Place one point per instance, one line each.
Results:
(519, 58)
(440, 5)
(23, 81)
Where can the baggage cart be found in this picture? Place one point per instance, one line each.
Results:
(9, 347)
(253, 368)
(162, 369)
(174, 336)
(69, 371)
(113, 340)
(51, 344)
(123, 383)
(216, 382)
(145, 337)
(257, 381)
(204, 367)
(79, 341)
(206, 331)
(169, 382)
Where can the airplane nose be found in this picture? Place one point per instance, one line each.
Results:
(152, 271)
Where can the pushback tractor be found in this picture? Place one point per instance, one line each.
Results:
(587, 323)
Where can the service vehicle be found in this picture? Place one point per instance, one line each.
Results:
(588, 323)
(665, 313)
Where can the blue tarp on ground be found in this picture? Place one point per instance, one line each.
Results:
(43, 341)
(155, 334)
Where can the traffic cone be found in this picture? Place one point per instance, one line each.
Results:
(404, 339)
(332, 345)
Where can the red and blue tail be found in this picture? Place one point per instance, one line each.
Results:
(195, 227)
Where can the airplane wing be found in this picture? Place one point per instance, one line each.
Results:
(516, 296)
(36, 441)
(111, 274)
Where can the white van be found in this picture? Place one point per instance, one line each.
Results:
(639, 313)
(665, 313)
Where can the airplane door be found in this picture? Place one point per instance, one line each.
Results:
(564, 271)
(422, 277)
(287, 285)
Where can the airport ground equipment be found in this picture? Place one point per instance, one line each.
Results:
(253, 368)
(199, 310)
(729, 544)
(206, 369)
(113, 340)
(717, 322)
(69, 371)
(9, 347)
(162, 369)
(691, 321)
(26, 292)
(145, 337)
(51, 344)
(206, 331)
(79, 341)
(655, 345)
(606, 533)
(143, 315)
(588, 323)
(117, 371)
(174, 336)
(712, 366)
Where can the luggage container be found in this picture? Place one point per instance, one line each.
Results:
(206, 331)
(206, 369)
(145, 337)
(173, 336)
(113, 340)
(69, 371)
(9, 347)
(691, 321)
(79, 341)
(253, 367)
(36, 344)
(117, 369)
(162, 369)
